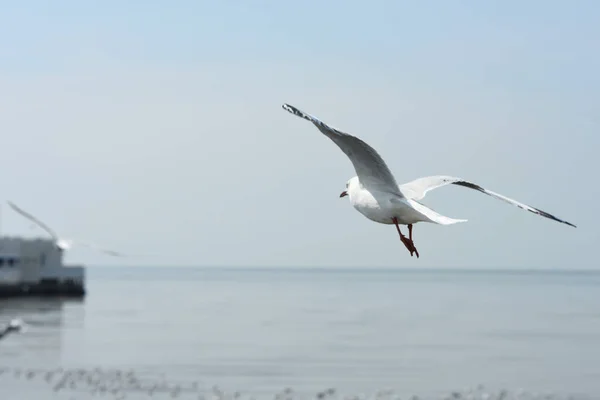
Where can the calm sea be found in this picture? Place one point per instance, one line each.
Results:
(181, 332)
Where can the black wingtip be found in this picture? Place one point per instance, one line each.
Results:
(291, 109)
(557, 219)
(552, 217)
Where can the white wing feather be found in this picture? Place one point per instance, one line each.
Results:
(101, 249)
(34, 220)
(370, 168)
(418, 188)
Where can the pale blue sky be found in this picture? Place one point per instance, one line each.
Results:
(157, 128)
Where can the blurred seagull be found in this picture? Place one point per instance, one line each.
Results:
(61, 243)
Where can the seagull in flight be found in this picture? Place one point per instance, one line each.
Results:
(375, 193)
(61, 243)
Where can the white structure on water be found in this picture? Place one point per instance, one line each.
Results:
(36, 266)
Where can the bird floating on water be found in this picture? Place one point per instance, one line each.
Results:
(375, 193)
(15, 325)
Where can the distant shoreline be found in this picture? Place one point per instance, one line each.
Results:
(424, 270)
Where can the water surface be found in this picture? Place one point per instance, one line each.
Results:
(259, 331)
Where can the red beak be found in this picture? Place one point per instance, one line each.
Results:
(344, 193)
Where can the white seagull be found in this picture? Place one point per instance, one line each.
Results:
(61, 243)
(375, 193)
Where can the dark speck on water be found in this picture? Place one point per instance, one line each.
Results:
(249, 333)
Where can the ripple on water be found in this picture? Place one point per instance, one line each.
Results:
(18, 383)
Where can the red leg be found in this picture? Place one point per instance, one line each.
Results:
(411, 239)
(403, 238)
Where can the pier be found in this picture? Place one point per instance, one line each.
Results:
(34, 267)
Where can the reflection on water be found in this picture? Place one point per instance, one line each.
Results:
(178, 332)
(45, 324)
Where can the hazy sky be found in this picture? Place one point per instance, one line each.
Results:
(156, 127)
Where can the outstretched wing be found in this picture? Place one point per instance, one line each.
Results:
(113, 252)
(101, 249)
(64, 243)
(33, 219)
(368, 164)
(418, 188)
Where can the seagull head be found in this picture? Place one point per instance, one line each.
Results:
(350, 185)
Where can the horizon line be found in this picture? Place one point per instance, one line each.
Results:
(319, 267)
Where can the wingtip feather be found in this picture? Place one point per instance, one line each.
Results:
(293, 110)
(287, 107)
